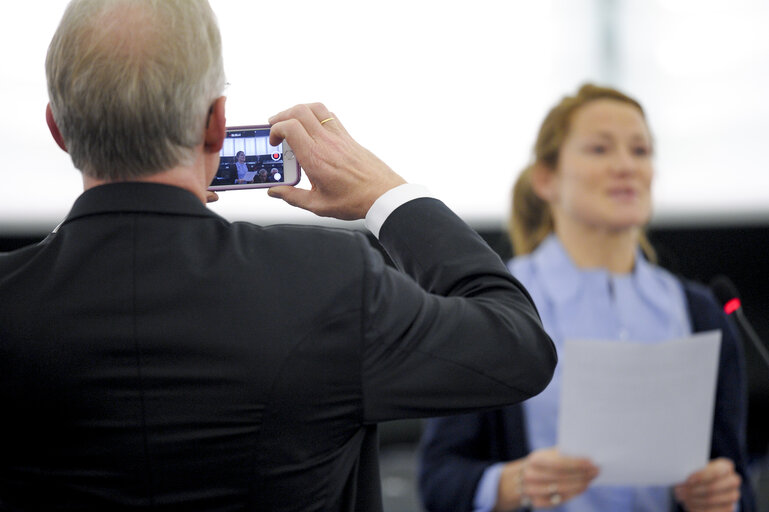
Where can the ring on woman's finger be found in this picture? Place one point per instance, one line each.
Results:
(555, 498)
(327, 120)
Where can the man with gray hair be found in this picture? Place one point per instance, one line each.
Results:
(137, 371)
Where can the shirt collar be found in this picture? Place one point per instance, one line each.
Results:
(654, 284)
(137, 197)
(562, 279)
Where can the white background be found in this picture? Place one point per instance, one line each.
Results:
(450, 94)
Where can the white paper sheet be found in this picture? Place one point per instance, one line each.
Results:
(642, 412)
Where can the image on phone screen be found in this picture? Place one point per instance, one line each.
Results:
(248, 160)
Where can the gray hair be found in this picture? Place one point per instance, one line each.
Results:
(131, 83)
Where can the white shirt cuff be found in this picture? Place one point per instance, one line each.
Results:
(486, 492)
(389, 202)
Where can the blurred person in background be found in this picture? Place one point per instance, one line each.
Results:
(577, 229)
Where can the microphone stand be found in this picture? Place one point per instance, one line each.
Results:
(752, 335)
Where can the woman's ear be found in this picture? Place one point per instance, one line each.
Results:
(54, 128)
(543, 181)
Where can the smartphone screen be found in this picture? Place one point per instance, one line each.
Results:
(247, 160)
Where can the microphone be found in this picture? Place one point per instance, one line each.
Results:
(727, 295)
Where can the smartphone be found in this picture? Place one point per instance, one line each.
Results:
(247, 160)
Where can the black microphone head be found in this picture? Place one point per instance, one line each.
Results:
(724, 289)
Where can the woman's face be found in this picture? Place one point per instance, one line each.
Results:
(604, 173)
(241, 157)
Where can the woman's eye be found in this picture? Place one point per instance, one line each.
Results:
(597, 149)
(641, 151)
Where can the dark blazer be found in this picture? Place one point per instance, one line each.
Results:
(155, 356)
(456, 450)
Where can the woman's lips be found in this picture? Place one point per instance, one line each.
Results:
(623, 193)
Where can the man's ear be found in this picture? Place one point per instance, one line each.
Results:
(215, 126)
(543, 181)
(54, 129)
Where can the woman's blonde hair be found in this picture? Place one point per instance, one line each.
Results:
(531, 220)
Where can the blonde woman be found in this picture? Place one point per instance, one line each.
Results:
(577, 227)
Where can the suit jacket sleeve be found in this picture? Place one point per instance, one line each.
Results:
(454, 453)
(462, 333)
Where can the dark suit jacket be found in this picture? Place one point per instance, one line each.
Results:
(155, 356)
(457, 450)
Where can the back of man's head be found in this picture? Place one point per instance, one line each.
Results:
(131, 83)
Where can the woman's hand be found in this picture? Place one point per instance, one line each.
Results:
(714, 488)
(543, 479)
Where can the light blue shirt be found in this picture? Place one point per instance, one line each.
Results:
(242, 169)
(647, 305)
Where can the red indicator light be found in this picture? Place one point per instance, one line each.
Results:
(732, 306)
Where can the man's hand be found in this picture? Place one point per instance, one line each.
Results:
(346, 178)
(716, 487)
